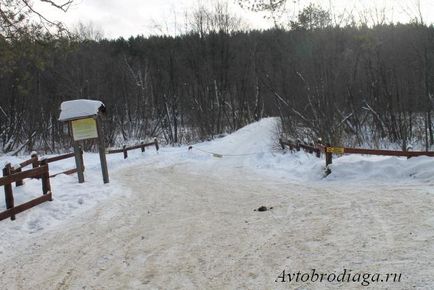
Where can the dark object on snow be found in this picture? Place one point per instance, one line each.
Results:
(190, 147)
(263, 208)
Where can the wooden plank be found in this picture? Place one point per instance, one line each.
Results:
(133, 147)
(5, 214)
(307, 147)
(45, 178)
(115, 151)
(157, 147)
(27, 162)
(139, 146)
(81, 160)
(35, 162)
(78, 157)
(311, 149)
(282, 144)
(60, 157)
(18, 182)
(101, 151)
(67, 172)
(36, 172)
(25, 206)
(23, 164)
(125, 152)
(9, 195)
(388, 152)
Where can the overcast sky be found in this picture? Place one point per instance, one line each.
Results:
(117, 18)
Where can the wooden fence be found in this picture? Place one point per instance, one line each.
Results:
(35, 162)
(9, 177)
(298, 145)
(63, 157)
(328, 151)
(39, 170)
(141, 146)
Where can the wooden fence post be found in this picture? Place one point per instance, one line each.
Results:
(319, 146)
(9, 195)
(18, 182)
(45, 178)
(297, 145)
(125, 151)
(78, 155)
(35, 162)
(311, 148)
(101, 151)
(281, 144)
(156, 144)
(329, 160)
(81, 159)
(143, 147)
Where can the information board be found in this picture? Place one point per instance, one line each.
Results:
(84, 129)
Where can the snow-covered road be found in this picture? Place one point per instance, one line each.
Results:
(190, 224)
(195, 231)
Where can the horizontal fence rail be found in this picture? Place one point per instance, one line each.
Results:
(13, 177)
(345, 150)
(298, 145)
(60, 157)
(63, 157)
(330, 150)
(35, 162)
(141, 146)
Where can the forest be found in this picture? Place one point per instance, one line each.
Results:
(351, 84)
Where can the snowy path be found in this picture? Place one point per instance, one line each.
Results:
(184, 230)
(185, 220)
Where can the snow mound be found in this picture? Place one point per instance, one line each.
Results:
(255, 138)
(254, 148)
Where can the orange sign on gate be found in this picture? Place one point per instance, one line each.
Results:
(336, 150)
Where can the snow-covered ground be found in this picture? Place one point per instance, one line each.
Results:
(185, 219)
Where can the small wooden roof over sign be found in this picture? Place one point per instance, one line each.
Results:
(80, 109)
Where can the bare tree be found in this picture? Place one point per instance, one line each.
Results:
(88, 32)
(274, 7)
(18, 17)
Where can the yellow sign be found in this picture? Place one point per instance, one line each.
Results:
(84, 129)
(336, 150)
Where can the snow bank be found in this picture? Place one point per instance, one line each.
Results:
(70, 199)
(382, 169)
(255, 147)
